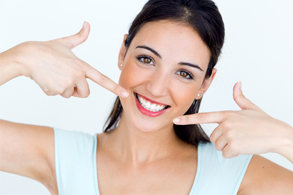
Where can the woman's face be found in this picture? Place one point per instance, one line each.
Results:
(166, 62)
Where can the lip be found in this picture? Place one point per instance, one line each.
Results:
(152, 101)
(147, 112)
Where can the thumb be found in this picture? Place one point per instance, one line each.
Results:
(241, 100)
(74, 40)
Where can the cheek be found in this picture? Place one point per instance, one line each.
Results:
(183, 96)
(132, 75)
(181, 93)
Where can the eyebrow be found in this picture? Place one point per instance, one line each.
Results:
(157, 54)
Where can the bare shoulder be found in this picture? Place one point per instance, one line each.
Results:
(266, 177)
(28, 150)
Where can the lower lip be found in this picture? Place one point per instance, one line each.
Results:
(147, 112)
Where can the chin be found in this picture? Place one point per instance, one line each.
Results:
(147, 126)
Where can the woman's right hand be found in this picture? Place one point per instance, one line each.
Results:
(54, 67)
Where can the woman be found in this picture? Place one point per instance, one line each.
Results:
(167, 59)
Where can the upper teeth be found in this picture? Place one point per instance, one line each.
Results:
(149, 106)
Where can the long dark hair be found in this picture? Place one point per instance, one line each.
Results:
(206, 20)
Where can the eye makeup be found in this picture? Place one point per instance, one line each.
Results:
(144, 59)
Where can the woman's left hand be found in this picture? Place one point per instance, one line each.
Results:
(248, 131)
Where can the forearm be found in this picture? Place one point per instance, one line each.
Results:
(9, 67)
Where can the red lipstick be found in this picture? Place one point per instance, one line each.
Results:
(147, 112)
(152, 101)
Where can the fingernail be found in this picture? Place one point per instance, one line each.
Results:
(176, 120)
(84, 24)
(125, 94)
(240, 85)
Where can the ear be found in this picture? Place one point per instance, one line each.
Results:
(206, 83)
(122, 53)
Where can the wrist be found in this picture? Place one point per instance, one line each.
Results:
(8, 66)
(286, 147)
(22, 58)
(13, 59)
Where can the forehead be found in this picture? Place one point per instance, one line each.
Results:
(173, 41)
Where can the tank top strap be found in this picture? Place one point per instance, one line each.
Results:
(219, 175)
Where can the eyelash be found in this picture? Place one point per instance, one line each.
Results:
(143, 56)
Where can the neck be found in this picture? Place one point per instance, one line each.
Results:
(134, 146)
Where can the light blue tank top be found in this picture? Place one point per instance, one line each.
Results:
(76, 167)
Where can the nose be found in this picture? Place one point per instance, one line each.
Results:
(158, 84)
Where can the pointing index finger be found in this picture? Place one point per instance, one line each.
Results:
(105, 81)
(200, 118)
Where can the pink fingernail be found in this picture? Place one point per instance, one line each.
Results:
(176, 120)
(125, 94)
(240, 85)
(84, 24)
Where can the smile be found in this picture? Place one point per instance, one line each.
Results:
(150, 107)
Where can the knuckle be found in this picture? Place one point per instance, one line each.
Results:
(224, 154)
(116, 89)
(81, 37)
(226, 113)
(232, 115)
(183, 119)
(65, 96)
(59, 90)
(87, 94)
(217, 146)
(186, 119)
(227, 124)
(29, 44)
(103, 79)
(202, 116)
(78, 62)
(233, 147)
(79, 34)
(214, 134)
(230, 135)
(227, 153)
(47, 93)
(69, 82)
(78, 74)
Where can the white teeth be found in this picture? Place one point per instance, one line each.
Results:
(143, 101)
(149, 106)
(158, 107)
(153, 107)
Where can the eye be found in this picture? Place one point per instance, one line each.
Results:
(185, 74)
(145, 59)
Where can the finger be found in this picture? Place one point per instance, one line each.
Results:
(74, 40)
(82, 89)
(229, 152)
(200, 118)
(241, 100)
(218, 131)
(49, 92)
(221, 142)
(68, 92)
(104, 81)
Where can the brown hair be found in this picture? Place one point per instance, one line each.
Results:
(205, 18)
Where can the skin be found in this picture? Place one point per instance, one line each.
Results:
(54, 67)
(144, 151)
(140, 138)
(148, 149)
(237, 128)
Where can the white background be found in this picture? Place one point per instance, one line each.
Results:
(257, 51)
